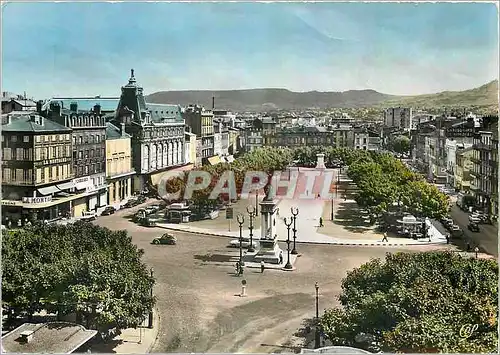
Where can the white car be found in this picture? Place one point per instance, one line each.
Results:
(244, 244)
(474, 219)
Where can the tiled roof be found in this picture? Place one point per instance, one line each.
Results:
(108, 104)
(25, 103)
(25, 124)
(57, 337)
(159, 112)
(113, 132)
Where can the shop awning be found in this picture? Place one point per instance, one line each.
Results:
(214, 160)
(83, 185)
(48, 190)
(66, 185)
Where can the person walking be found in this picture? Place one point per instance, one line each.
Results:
(281, 258)
(262, 266)
(447, 239)
(384, 239)
(321, 221)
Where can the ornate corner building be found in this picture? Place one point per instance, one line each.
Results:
(157, 131)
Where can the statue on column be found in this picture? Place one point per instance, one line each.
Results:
(269, 190)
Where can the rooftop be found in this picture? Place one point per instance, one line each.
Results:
(108, 104)
(56, 337)
(160, 112)
(31, 123)
(113, 132)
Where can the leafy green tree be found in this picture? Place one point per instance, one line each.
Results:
(425, 200)
(418, 302)
(84, 269)
(401, 145)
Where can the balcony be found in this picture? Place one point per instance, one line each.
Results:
(484, 146)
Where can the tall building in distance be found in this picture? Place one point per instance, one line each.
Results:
(399, 117)
(157, 131)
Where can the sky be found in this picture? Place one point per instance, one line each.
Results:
(87, 49)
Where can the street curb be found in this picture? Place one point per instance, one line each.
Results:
(312, 242)
(158, 320)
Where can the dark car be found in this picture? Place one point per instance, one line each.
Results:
(166, 238)
(141, 199)
(108, 211)
(473, 227)
(130, 203)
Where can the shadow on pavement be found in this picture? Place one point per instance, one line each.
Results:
(217, 258)
(352, 218)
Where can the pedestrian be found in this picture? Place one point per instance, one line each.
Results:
(447, 239)
(319, 195)
(262, 266)
(321, 221)
(281, 258)
(468, 246)
(237, 266)
(384, 239)
(307, 192)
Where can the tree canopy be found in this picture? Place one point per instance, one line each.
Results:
(401, 144)
(78, 268)
(418, 302)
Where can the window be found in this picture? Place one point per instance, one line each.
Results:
(50, 173)
(54, 152)
(26, 139)
(27, 175)
(80, 154)
(7, 154)
(13, 174)
(37, 139)
(53, 137)
(86, 139)
(97, 139)
(86, 169)
(13, 139)
(92, 153)
(103, 151)
(80, 139)
(86, 154)
(26, 154)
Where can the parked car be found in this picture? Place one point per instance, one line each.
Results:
(474, 219)
(130, 203)
(89, 216)
(446, 221)
(166, 238)
(155, 207)
(473, 227)
(108, 211)
(141, 199)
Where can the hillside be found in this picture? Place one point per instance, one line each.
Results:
(485, 95)
(268, 99)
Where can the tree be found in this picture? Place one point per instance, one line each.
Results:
(84, 269)
(401, 145)
(418, 302)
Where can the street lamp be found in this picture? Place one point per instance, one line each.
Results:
(251, 213)
(288, 224)
(331, 213)
(317, 335)
(256, 202)
(150, 317)
(241, 219)
(295, 212)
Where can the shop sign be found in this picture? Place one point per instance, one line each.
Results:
(11, 203)
(81, 180)
(34, 200)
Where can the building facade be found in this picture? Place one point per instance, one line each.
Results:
(89, 152)
(485, 168)
(190, 150)
(463, 168)
(119, 170)
(399, 117)
(157, 132)
(337, 136)
(36, 169)
(201, 123)
(365, 139)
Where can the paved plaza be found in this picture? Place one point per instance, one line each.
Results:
(199, 304)
(349, 226)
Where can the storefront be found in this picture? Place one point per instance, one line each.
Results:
(45, 208)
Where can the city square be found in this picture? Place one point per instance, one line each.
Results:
(199, 295)
(249, 178)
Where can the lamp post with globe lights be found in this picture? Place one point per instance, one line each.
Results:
(295, 212)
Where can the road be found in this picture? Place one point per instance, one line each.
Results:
(486, 239)
(197, 292)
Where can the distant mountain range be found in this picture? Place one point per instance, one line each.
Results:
(269, 99)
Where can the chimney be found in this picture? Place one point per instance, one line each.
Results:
(39, 105)
(55, 107)
(26, 336)
(97, 109)
(122, 129)
(73, 107)
(213, 103)
(7, 119)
